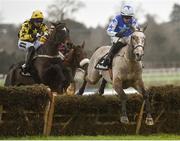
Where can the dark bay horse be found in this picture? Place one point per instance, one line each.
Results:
(75, 58)
(47, 66)
(126, 72)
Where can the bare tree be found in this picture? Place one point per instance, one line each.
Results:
(63, 9)
(175, 14)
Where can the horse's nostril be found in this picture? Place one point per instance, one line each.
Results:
(137, 54)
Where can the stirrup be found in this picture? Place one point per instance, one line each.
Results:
(23, 72)
(23, 66)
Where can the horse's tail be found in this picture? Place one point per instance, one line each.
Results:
(10, 76)
(84, 62)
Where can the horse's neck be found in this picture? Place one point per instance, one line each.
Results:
(70, 58)
(48, 48)
(129, 53)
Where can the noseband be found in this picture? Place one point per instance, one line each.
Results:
(134, 47)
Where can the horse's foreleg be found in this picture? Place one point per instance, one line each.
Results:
(72, 86)
(83, 86)
(117, 85)
(81, 90)
(139, 86)
(102, 87)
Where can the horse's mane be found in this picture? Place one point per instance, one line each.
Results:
(51, 44)
(99, 47)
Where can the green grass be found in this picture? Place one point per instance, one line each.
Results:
(153, 79)
(1, 82)
(123, 137)
(161, 79)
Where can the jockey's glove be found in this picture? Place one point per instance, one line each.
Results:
(119, 34)
(33, 36)
(38, 35)
(45, 34)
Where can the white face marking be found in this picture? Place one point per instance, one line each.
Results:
(138, 43)
(64, 29)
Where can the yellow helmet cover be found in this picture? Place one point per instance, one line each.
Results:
(37, 14)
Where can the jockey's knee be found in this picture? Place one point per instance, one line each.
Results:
(37, 44)
(24, 45)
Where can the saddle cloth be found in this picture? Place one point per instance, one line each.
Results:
(100, 64)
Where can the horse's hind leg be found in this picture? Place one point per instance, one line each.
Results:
(139, 86)
(90, 77)
(102, 87)
(117, 85)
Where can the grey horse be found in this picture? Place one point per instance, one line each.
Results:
(126, 72)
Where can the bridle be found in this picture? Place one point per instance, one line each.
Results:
(138, 45)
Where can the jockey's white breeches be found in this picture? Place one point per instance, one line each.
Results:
(24, 45)
(124, 40)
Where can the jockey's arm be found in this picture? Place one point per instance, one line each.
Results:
(112, 27)
(44, 30)
(24, 33)
(44, 36)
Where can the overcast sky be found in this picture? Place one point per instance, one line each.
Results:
(96, 12)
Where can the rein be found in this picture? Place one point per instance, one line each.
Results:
(60, 55)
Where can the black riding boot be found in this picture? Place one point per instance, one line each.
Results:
(28, 59)
(114, 49)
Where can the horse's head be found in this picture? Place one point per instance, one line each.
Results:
(138, 42)
(60, 33)
(77, 55)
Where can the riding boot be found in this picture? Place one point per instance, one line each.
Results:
(114, 49)
(28, 59)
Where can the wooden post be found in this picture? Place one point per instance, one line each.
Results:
(140, 118)
(46, 118)
(1, 112)
(49, 116)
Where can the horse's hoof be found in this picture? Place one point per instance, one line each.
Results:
(149, 121)
(78, 93)
(98, 93)
(124, 119)
(70, 91)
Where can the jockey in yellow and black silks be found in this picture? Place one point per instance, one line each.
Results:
(33, 33)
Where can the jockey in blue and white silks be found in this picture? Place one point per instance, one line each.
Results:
(119, 30)
(117, 25)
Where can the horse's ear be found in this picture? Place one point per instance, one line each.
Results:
(53, 23)
(144, 28)
(56, 23)
(83, 44)
(132, 28)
